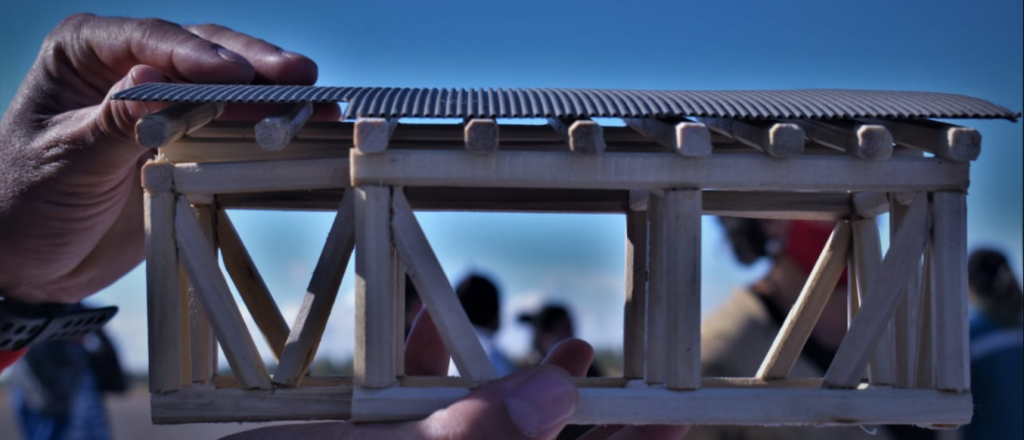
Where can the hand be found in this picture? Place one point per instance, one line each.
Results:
(70, 199)
(531, 404)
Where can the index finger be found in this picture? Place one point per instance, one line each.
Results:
(273, 64)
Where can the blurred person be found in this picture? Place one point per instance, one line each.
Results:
(71, 217)
(482, 302)
(736, 337)
(59, 388)
(997, 348)
(551, 324)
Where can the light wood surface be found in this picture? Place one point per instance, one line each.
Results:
(862, 141)
(203, 343)
(682, 212)
(217, 301)
(158, 129)
(689, 139)
(635, 311)
(481, 136)
(777, 139)
(375, 296)
(275, 131)
(654, 170)
(583, 136)
(950, 142)
(871, 321)
(317, 303)
(867, 250)
(225, 178)
(658, 290)
(803, 317)
(250, 285)
(372, 135)
(950, 328)
(164, 306)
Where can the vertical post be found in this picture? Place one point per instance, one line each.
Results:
(636, 295)
(682, 212)
(906, 325)
(375, 295)
(926, 342)
(949, 291)
(168, 359)
(656, 324)
(203, 344)
(399, 285)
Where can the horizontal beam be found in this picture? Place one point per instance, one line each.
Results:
(863, 141)
(776, 139)
(712, 406)
(174, 122)
(654, 170)
(275, 131)
(199, 404)
(687, 138)
(222, 178)
(750, 204)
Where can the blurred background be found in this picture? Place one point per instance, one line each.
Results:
(956, 46)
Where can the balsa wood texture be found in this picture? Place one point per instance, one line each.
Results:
(275, 131)
(158, 129)
(375, 296)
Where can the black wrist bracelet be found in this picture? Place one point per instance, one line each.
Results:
(23, 324)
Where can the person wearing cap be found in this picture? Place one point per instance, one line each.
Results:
(997, 347)
(551, 324)
(480, 299)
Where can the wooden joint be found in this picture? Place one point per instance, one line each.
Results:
(863, 141)
(869, 204)
(274, 132)
(947, 141)
(687, 138)
(158, 176)
(372, 135)
(583, 135)
(158, 129)
(481, 136)
(779, 140)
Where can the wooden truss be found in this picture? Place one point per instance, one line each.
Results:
(904, 360)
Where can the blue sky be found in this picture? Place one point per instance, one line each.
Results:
(969, 47)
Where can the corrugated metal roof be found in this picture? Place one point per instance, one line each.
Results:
(576, 103)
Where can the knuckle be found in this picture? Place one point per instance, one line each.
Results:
(70, 25)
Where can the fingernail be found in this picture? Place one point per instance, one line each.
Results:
(290, 54)
(231, 56)
(542, 402)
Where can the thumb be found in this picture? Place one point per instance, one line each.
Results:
(532, 404)
(117, 118)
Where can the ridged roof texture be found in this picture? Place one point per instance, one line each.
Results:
(578, 103)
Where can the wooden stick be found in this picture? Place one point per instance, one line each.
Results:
(867, 250)
(926, 341)
(373, 134)
(636, 295)
(761, 204)
(438, 297)
(504, 169)
(167, 336)
(947, 141)
(863, 141)
(375, 339)
(583, 136)
(217, 301)
(713, 406)
(203, 343)
(776, 139)
(872, 319)
(222, 178)
(682, 212)
(398, 270)
(656, 339)
(949, 291)
(309, 325)
(275, 131)
(481, 136)
(689, 139)
(907, 323)
(204, 405)
(172, 123)
(250, 285)
(804, 315)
